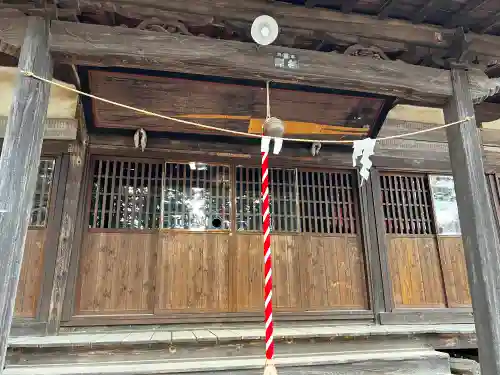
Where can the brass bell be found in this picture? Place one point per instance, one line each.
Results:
(274, 127)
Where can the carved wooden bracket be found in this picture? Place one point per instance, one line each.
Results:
(167, 26)
(360, 50)
(481, 87)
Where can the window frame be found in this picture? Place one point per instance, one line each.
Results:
(232, 164)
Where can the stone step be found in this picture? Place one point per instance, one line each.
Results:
(411, 360)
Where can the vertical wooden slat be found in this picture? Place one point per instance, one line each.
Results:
(394, 205)
(422, 211)
(44, 167)
(389, 227)
(342, 212)
(312, 186)
(140, 193)
(134, 196)
(411, 204)
(114, 165)
(127, 194)
(350, 203)
(343, 192)
(120, 165)
(401, 194)
(397, 191)
(427, 206)
(148, 217)
(332, 204)
(104, 194)
(309, 202)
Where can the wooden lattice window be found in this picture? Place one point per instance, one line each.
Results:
(328, 202)
(125, 194)
(41, 198)
(196, 196)
(283, 199)
(407, 204)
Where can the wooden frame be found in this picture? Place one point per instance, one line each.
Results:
(394, 315)
(70, 319)
(53, 223)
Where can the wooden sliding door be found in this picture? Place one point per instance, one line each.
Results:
(424, 245)
(180, 238)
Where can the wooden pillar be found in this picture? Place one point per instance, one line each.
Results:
(19, 166)
(66, 237)
(371, 246)
(479, 233)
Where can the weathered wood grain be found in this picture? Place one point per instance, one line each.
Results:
(415, 272)
(73, 187)
(301, 18)
(229, 106)
(116, 274)
(452, 258)
(19, 160)
(55, 129)
(312, 273)
(106, 46)
(28, 289)
(479, 230)
(201, 261)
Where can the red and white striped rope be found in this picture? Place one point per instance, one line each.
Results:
(268, 279)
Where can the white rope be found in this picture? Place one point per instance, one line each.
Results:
(268, 102)
(235, 132)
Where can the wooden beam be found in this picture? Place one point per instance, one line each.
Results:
(66, 237)
(479, 231)
(96, 45)
(19, 160)
(54, 129)
(297, 17)
(12, 33)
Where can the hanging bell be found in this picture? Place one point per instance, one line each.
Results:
(274, 127)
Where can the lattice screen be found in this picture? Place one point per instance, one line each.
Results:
(126, 194)
(283, 199)
(328, 202)
(407, 204)
(197, 196)
(41, 198)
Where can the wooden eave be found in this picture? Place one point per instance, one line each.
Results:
(99, 45)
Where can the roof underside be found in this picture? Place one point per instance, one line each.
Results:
(480, 16)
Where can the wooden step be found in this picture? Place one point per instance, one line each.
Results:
(412, 361)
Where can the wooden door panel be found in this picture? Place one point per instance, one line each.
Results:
(192, 272)
(116, 273)
(30, 280)
(452, 255)
(309, 273)
(415, 272)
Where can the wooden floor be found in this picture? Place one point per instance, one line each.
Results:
(163, 335)
(300, 349)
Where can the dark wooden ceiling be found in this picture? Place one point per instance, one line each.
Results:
(480, 16)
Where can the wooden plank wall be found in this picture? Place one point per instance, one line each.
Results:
(138, 273)
(415, 272)
(116, 273)
(28, 289)
(311, 272)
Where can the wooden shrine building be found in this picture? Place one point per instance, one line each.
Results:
(168, 233)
